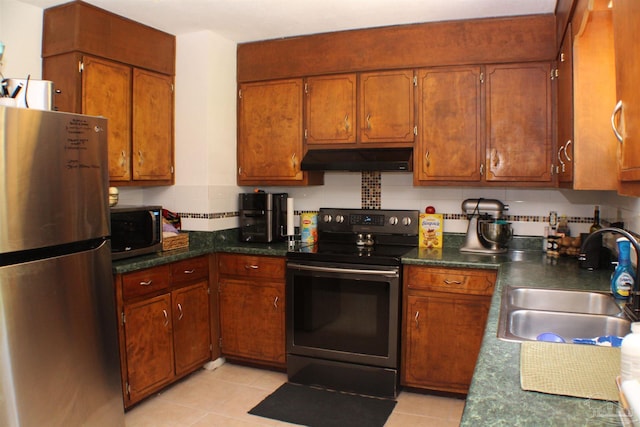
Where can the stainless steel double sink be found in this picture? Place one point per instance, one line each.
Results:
(528, 312)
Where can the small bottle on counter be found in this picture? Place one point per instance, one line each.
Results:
(630, 354)
(623, 277)
(596, 220)
(563, 227)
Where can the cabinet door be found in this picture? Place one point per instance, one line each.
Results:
(443, 334)
(191, 334)
(626, 32)
(149, 345)
(449, 125)
(252, 320)
(518, 129)
(564, 152)
(270, 132)
(330, 109)
(386, 107)
(152, 144)
(106, 91)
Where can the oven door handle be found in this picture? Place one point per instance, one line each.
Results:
(386, 273)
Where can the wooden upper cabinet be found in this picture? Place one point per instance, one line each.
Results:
(104, 64)
(519, 123)
(330, 109)
(565, 141)
(270, 133)
(106, 89)
(386, 107)
(626, 32)
(449, 141)
(592, 152)
(152, 147)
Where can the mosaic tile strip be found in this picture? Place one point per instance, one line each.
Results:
(371, 190)
(374, 203)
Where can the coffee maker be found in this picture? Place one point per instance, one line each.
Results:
(263, 217)
(488, 232)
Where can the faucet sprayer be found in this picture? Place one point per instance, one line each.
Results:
(632, 307)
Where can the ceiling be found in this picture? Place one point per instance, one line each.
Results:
(251, 20)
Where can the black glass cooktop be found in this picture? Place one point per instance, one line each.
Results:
(349, 253)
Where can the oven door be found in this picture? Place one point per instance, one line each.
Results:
(343, 312)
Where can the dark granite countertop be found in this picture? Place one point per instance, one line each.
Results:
(495, 397)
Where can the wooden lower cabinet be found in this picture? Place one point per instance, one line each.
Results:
(252, 308)
(165, 328)
(444, 316)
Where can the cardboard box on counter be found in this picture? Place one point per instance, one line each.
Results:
(431, 228)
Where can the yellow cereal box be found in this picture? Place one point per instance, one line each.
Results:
(431, 228)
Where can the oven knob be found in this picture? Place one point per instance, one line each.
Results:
(327, 218)
(393, 220)
(339, 219)
(406, 221)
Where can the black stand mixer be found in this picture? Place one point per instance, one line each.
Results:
(488, 231)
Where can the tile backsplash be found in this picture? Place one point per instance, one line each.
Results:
(208, 208)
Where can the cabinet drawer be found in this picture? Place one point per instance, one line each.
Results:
(145, 282)
(190, 270)
(251, 266)
(454, 280)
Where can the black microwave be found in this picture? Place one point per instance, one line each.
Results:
(135, 230)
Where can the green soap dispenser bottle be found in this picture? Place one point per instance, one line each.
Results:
(623, 278)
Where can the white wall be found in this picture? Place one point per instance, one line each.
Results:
(21, 32)
(205, 129)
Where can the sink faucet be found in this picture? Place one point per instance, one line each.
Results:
(632, 307)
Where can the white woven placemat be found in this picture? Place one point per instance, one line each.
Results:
(570, 369)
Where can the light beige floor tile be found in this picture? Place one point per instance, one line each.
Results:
(223, 397)
(429, 406)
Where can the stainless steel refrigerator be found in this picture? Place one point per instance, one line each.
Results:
(59, 360)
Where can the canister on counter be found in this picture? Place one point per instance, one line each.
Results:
(308, 227)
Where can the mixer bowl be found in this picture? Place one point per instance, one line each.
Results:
(496, 233)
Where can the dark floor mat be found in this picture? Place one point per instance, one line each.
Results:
(316, 407)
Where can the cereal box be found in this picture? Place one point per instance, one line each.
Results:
(431, 228)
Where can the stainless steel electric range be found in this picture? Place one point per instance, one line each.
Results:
(344, 298)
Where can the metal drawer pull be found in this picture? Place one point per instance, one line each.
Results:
(275, 302)
(189, 271)
(452, 282)
(416, 319)
(181, 315)
(166, 317)
(146, 283)
(251, 267)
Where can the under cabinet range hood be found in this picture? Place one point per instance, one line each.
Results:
(361, 159)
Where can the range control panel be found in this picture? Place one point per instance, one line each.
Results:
(368, 221)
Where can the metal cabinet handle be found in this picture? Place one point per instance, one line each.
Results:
(123, 158)
(481, 169)
(140, 158)
(251, 267)
(427, 159)
(146, 283)
(452, 282)
(416, 319)
(616, 110)
(346, 123)
(275, 302)
(560, 158)
(368, 120)
(181, 314)
(189, 271)
(566, 150)
(166, 317)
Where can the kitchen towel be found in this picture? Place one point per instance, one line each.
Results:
(570, 369)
